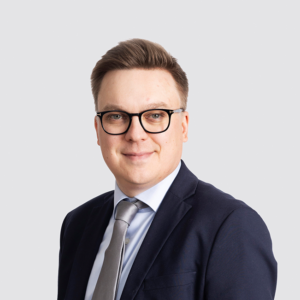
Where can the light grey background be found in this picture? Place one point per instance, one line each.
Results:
(242, 62)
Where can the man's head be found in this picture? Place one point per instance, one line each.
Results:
(135, 76)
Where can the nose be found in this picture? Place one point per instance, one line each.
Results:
(135, 132)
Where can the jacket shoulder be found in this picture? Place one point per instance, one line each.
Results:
(213, 204)
(209, 193)
(80, 214)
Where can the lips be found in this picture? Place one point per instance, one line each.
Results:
(137, 156)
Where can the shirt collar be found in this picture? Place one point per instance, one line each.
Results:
(153, 196)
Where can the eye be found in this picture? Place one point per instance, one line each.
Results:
(155, 116)
(115, 116)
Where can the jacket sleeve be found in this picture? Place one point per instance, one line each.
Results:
(241, 265)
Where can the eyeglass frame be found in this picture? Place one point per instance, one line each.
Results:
(169, 111)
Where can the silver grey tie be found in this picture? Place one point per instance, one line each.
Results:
(108, 280)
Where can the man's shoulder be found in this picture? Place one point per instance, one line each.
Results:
(203, 196)
(213, 202)
(83, 211)
(213, 195)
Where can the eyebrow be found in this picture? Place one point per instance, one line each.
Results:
(149, 106)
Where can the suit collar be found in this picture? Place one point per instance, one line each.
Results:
(185, 183)
(171, 211)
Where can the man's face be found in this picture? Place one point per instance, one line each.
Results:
(138, 159)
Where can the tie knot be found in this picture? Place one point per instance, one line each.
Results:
(126, 211)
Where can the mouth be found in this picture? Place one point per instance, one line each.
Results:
(137, 155)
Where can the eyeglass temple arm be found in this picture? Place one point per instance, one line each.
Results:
(177, 110)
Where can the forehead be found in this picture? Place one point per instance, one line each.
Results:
(138, 89)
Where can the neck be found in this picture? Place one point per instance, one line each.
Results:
(131, 190)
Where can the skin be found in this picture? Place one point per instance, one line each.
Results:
(139, 160)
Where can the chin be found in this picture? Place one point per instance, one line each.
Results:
(139, 176)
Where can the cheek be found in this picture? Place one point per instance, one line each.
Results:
(109, 146)
(169, 142)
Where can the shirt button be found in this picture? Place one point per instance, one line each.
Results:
(127, 240)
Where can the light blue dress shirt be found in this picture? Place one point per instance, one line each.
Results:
(136, 231)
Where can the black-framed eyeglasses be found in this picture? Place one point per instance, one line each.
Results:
(117, 122)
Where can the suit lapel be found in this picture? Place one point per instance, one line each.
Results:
(169, 214)
(88, 249)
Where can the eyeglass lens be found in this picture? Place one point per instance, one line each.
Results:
(117, 122)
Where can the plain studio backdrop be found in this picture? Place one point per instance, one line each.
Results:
(242, 62)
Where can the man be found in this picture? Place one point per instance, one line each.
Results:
(185, 239)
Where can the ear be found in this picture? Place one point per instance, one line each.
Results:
(97, 125)
(185, 126)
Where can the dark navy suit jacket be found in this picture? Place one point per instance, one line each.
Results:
(202, 244)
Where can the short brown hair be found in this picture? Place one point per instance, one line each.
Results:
(141, 54)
